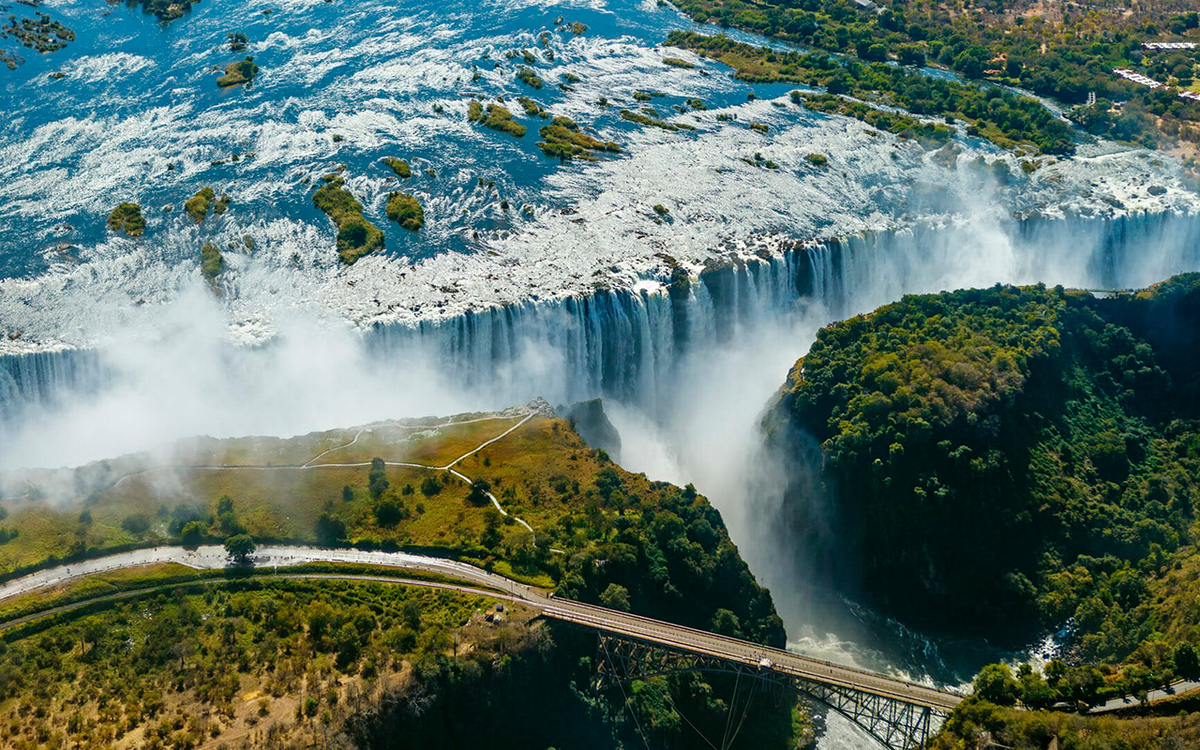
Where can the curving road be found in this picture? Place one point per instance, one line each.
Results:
(586, 615)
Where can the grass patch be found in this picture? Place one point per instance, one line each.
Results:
(93, 586)
(643, 119)
(678, 62)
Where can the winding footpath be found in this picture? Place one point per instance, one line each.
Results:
(311, 464)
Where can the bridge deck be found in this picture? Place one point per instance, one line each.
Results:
(750, 654)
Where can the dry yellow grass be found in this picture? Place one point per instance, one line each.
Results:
(277, 498)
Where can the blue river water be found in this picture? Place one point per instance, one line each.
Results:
(130, 111)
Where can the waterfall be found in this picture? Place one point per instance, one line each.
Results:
(627, 344)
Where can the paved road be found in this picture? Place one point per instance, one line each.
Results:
(587, 615)
(1129, 701)
(288, 576)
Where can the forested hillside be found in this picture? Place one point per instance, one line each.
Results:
(1010, 457)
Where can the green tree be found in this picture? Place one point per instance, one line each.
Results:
(331, 530)
(193, 533)
(616, 597)
(479, 492)
(377, 482)
(726, 622)
(995, 684)
(430, 486)
(1035, 693)
(1187, 663)
(240, 547)
(388, 512)
(491, 536)
(411, 614)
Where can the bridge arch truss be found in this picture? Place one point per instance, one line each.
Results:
(895, 724)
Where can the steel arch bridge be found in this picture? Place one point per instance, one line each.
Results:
(894, 723)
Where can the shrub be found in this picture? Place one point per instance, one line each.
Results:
(136, 524)
(479, 492)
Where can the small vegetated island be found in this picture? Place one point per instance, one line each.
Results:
(42, 33)
(1005, 461)
(215, 656)
(165, 10)
(212, 263)
(199, 204)
(529, 78)
(562, 139)
(405, 210)
(238, 73)
(497, 117)
(127, 218)
(647, 120)
(356, 236)
(399, 166)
